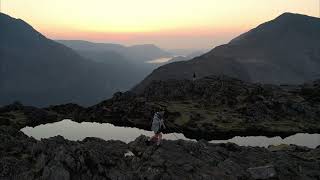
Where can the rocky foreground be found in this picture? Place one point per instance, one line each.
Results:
(215, 107)
(22, 157)
(208, 108)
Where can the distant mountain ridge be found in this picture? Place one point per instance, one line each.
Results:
(38, 71)
(282, 51)
(136, 53)
(136, 57)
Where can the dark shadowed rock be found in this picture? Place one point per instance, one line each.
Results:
(219, 107)
(22, 157)
(214, 107)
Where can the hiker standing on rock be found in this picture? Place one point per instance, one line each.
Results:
(157, 127)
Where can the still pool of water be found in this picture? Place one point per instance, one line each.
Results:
(78, 131)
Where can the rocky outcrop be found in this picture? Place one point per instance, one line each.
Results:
(215, 107)
(22, 157)
(221, 107)
(18, 116)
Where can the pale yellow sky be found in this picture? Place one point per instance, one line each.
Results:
(166, 23)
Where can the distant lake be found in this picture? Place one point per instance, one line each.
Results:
(159, 60)
(78, 131)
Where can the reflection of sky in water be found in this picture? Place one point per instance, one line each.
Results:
(78, 131)
(159, 60)
(309, 140)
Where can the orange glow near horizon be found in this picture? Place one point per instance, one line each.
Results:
(167, 23)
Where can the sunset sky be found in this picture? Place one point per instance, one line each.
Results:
(166, 23)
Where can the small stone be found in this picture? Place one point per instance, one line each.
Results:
(128, 154)
(263, 172)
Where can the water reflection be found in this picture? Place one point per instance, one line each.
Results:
(78, 131)
(309, 140)
(160, 60)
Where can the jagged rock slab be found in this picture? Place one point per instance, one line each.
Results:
(22, 157)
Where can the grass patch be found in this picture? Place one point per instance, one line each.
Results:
(192, 111)
(19, 117)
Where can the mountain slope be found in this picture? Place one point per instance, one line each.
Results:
(39, 71)
(136, 54)
(199, 65)
(125, 61)
(284, 50)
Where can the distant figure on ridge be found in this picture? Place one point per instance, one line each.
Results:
(157, 127)
(194, 76)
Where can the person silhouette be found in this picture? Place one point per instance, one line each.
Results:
(157, 127)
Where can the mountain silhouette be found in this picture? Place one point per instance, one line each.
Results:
(38, 71)
(282, 51)
(136, 53)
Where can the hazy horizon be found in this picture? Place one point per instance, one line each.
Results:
(194, 25)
